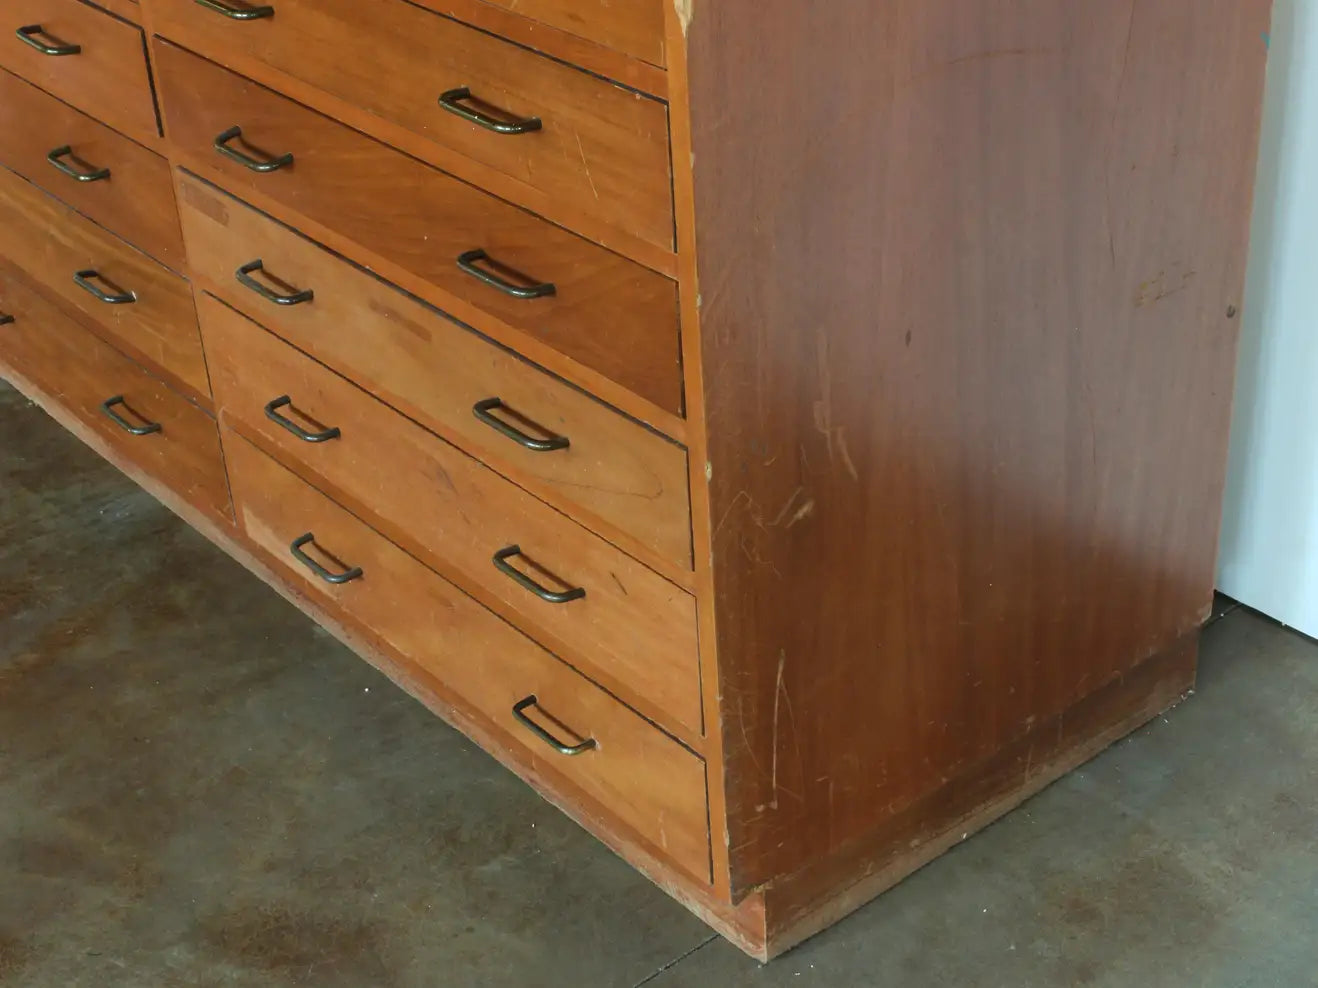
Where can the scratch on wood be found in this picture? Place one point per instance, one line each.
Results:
(777, 696)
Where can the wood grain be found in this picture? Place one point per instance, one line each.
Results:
(136, 202)
(632, 631)
(616, 476)
(108, 78)
(51, 243)
(600, 149)
(81, 372)
(647, 780)
(967, 386)
(609, 315)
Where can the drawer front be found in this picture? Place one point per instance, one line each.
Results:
(633, 27)
(649, 782)
(608, 315)
(632, 630)
(80, 371)
(596, 146)
(613, 474)
(53, 244)
(106, 76)
(118, 183)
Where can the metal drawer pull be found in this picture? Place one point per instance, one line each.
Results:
(108, 406)
(93, 174)
(482, 411)
(83, 279)
(468, 264)
(238, 13)
(272, 413)
(545, 736)
(247, 161)
(243, 274)
(544, 593)
(5, 319)
(28, 35)
(338, 579)
(452, 101)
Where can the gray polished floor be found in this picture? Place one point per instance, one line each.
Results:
(199, 787)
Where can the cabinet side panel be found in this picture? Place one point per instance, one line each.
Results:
(970, 276)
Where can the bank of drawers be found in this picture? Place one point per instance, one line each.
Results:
(405, 288)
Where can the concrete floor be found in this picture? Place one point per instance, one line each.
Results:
(199, 787)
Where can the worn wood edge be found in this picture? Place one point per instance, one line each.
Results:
(697, 444)
(553, 209)
(812, 900)
(667, 422)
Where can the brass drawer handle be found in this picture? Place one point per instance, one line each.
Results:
(467, 262)
(553, 742)
(452, 101)
(221, 144)
(108, 407)
(93, 174)
(338, 579)
(238, 13)
(521, 579)
(28, 35)
(244, 276)
(482, 410)
(83, 279)
(283, 401)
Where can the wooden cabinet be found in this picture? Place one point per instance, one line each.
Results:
(787, 435)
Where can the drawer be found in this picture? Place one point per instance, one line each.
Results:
(608, 315)
(614, 473)
(637, 774)
(120, 184)
(632, 630)
(53, 244)
(106, 75)
(595, 147)
(182, 448)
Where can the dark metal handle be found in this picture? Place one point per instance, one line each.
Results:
(221, 145)
(83, 280)
(338, 579)
(28, 35)
(238, 13)
(272, 413)
(545, 736)
(544, 593)
(5, 319)
(452, 101)
(57, 157)
(482, 411)
(468, 264)
(107, 407)
(243, 274)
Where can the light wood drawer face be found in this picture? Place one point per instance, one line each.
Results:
(107, 76)
(608, 315)
(53, 244)
(124, 187)
(615, 474)
(632, 630)
(634, 27)
(597, 146)
(82, 372)
(648, 781)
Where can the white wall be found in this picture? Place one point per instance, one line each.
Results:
(1269, 550)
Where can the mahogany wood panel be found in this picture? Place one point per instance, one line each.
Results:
(599, 147)
(632, 630)
(107, 78)
(608, 314)
(967, 384)
(136, 200)
(126, 9)
(645, 779)
(82, 372)
(615, 474)
(52, 243)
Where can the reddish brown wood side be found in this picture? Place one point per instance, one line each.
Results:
(967, 366)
